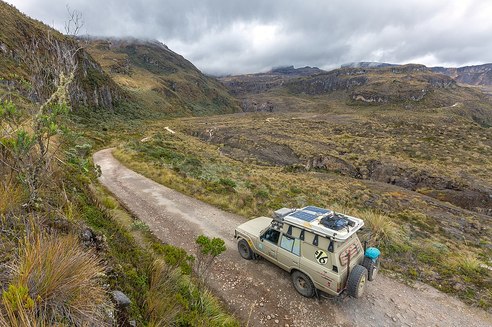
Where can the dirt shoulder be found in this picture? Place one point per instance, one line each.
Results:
(259, 292)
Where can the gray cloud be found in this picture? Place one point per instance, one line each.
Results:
(230, 36)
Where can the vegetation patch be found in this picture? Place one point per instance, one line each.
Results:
(418, 235)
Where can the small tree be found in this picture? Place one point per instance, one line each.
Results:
(27, 136)
(206, 252)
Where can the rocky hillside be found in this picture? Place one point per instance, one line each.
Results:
(162, 80)
(396, 84)
(410, 86)
(473, 75)
(32, 55)
(261, 82)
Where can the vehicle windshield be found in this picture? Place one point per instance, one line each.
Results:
(272, 235)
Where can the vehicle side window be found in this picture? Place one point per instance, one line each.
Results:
(291, 244)
(272, 235)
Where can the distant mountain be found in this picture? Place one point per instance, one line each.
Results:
(260, 82)
(390, 84)
(159, 78)
(296, 72)
(367, 64)
(473, 75)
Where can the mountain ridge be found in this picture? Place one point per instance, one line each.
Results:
(159, 78)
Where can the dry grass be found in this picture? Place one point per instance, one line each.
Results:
(379, 228)
(468, 263)
(56, 281)
(11, 196)
(162, 304)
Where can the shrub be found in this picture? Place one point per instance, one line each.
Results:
(55, 281)
(381, 226)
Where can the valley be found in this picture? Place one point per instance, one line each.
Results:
(122, 153)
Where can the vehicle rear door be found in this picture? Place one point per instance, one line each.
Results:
(289, 251)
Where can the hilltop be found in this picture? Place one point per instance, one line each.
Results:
(159, 78)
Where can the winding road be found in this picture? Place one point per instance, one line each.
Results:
(259, 293)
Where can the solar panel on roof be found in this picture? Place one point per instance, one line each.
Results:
(317, 210)
(303, 216)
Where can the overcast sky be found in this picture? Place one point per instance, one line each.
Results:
(230, 36)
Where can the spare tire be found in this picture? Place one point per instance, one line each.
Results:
(372, 268)
(356, 283)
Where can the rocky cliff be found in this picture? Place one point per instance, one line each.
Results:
(375, 85)
(473, 75)
(32, 55)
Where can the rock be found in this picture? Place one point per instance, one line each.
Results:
(276, 321)
(87, 235)
(121, 300)
(269, 317)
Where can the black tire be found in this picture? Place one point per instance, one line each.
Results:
(244, 249)
(356, 283)
(372, 268)
(303, 284)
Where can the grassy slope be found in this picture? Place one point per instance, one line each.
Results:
(163, 81)
(422, 237)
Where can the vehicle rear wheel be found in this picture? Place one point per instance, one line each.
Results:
(244, 249)
(356, 283)
(372, 268)
(303, 284)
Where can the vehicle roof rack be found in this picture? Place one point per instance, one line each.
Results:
(324, 222)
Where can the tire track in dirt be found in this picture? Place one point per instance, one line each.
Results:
(259, 292)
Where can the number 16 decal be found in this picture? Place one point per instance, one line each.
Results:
(321, 257)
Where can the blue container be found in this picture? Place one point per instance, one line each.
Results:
(372, 253)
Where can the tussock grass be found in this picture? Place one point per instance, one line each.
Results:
(109, 202)
(382, 228)
(55, 281)
(468, 263)
(163, 304)
(11, 196)
(379, 228)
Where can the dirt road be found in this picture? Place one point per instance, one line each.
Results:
(261, 293)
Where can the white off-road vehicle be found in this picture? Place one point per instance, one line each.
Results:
(319, 247)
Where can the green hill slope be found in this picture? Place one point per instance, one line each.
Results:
(159, 78)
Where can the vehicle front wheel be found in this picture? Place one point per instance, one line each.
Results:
(303, 284)
(244, 249)
(356, 283)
